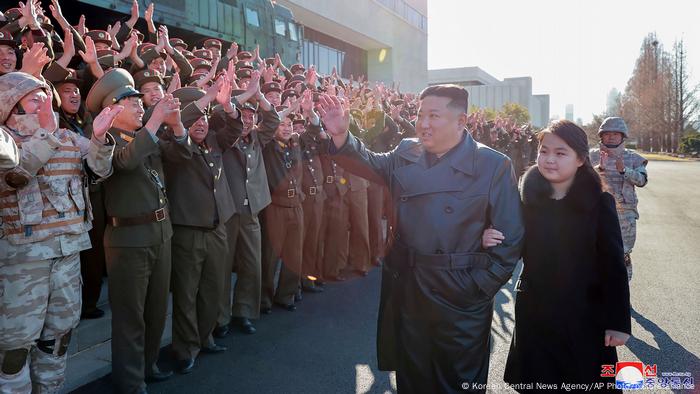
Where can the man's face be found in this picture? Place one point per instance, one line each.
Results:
(101, 46)
(248, 117)
(611, 138)
(439, 127)
(131, 118)
(70, 98)
(157, 64)
(284, 130)
(152, 93)
(32, 101)
(199, 130)
(274, 97)
(8, 59)
(299, 128)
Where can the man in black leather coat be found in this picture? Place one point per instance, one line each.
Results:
(438, 284)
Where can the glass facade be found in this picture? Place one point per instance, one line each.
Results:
(251, 17)
(405, 11)
(326, 52)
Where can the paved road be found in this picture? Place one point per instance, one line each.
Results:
(327, 345)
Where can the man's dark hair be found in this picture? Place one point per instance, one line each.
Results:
(459, 97)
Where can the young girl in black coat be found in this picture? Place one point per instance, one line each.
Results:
(572, 305)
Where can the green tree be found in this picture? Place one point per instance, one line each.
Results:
(515, 112)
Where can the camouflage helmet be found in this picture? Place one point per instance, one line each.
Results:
(614, 124)
(14, 86)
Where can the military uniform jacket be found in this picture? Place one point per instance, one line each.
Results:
(243, 160)
(334, 181)
(198, 190)
(622, 186)
(137, 187)
(284, 172)
(51, 215)
(313, 179)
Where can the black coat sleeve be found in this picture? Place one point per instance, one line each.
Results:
(613, 274)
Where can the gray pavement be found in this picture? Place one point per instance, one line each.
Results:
(328, 344)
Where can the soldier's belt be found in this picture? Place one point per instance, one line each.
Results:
(312, 190)
(151, 217)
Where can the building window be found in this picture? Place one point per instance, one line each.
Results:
(280, 27)
(251, 17)
(293, 31)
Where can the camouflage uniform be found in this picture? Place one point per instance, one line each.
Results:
(622, 185)
(9, 155)
(45, 219)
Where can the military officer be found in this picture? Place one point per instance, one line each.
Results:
(138, 232)
(245, 171)
(623, 171)
(199, 246)
(45, 221)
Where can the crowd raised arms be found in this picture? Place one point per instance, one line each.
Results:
(167, 165)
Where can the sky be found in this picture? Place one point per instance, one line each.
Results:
(575, 50)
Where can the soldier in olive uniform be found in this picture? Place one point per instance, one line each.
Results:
(200, 204)
(245, 171)
(45, 221)
(283, 229)
(623, 171)
(137, 237)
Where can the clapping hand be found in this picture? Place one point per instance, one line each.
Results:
(335, 115)
(104, 120)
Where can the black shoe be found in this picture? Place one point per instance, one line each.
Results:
(266, 310)
(220, 331)
(362, 272)
(213, 349)
(184, 366)
(92, 313)
(312, 289)
(288, 307)
(244, 324)
(158, 376)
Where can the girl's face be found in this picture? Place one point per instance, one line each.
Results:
(556, 160)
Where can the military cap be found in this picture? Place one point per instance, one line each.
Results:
(299, 120)
(144, 76)
(143, 47)
(187, 54)
(6, 39)
(357, 114)
(47, 27)
(241, 64)
(71, 76)
(114, 85)
(199, 63)
(299, 78)
(289, 93)
(106, 52)
(177, 42)
(212, 42)
(291, 85)
(14, 86)
(244, 73)
(106, 62)
(13, 14)
(271, 87)
(244, 55)
(297, 67)
(237, 92)
(139, 35)
(203, 54)
(615, 124)
(100, 36)
(188, 95)
(151, 54)
(280, 108)
(397, 102)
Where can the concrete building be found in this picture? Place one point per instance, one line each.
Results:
(487, 91)
(387, 40)
(569, 112)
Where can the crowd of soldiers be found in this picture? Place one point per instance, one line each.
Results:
(167, 167)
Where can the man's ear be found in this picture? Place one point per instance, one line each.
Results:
(462, 120)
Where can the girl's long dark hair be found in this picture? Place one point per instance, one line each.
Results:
(576, 138)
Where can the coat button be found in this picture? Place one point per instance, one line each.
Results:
(404, 199)
(448, 209)
(211, 164)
